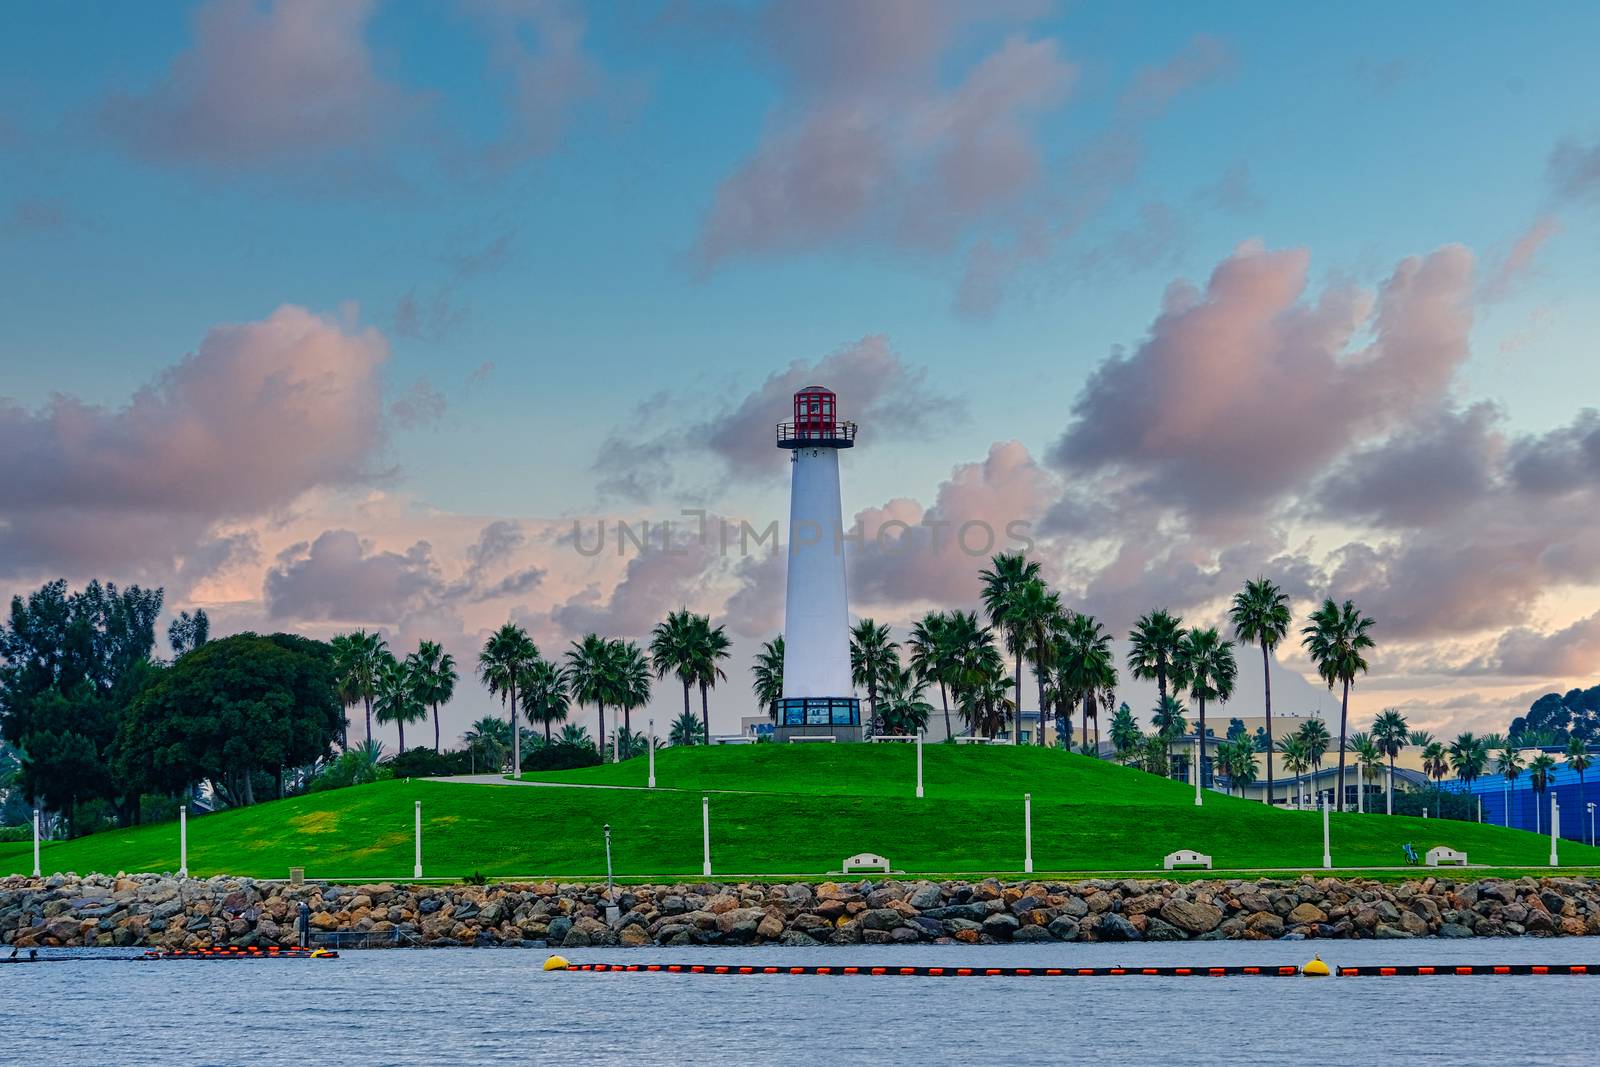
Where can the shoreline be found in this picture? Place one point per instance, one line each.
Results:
(162, 911)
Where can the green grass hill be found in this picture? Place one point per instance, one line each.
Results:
(779, 810)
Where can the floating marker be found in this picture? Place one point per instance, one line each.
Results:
(1316, 968)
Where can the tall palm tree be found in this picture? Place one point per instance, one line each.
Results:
(1369, 761)
(575, 734)
(346, 682)
(1088, 668)
(1154, 643)
(1435, 764)
(872, 656)
(1206, 662)
(1577, 757)
(591, 670)
(506, 656)
(1035, 613)
(1541, 774)
(978, 684)
(1296, 760)
(1336, 639)
(1125, 736)
(933, 657)
(367, 652)
(1260, 616)
(1002, 581)
(1168, 720)
(1469, 755)
(544, 695)
(904, 710)
(1389, 733)
(1313, 734)
(1509, 766)
(710, 648)
(1237, 759)
(632, 674)
(433, 670)
(672, 650)
(768, 675)
(395, 696)
(686, 730)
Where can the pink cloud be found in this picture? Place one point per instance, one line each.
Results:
(1520, 258)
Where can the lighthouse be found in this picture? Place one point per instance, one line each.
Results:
(818, 698)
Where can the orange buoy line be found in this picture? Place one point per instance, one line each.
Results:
(240, 952)
(1474, 969)
(1313, 969)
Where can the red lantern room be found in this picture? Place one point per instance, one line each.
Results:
(816, 422)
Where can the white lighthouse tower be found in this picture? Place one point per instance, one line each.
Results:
(817, 691)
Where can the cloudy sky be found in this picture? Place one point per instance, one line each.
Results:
(325, 315)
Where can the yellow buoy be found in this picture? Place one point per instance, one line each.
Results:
(1316, 968)
(556, 963)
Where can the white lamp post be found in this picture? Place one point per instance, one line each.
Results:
(37, 874)
(919, 764)
(1555, 828)
(183, 840)
(416, 866)
(652, 753)
(1027, 833)
(1199, 770)
(1327, 856)
(705, 835)
(1591, 826)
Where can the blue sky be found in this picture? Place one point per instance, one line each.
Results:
(150, 192)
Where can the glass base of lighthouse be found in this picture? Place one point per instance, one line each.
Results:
(818, 717)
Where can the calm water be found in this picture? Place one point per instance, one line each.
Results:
(496, 1006)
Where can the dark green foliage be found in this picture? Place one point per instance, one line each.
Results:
(231, 708)
(1554, 719)
(1439, 803)
(426, 763)
(560, 756)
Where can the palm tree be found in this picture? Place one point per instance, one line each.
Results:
(1125, 735)
(1509, 766)
(367, 651)
(932, 651)
(632, 670)
(1088, 668)
(434, 672)
(1313, 734)
(1435, 763)
(506, 656)
(1469, 755)
(1206, 662)
(672, 650)
(904, 710)
(1168, 720)
(978, 682)
(1541, 773)
(1155, 640)
(396, 696)
(575, 734)
(592, 677)
(1335, 640)
(488, 740)
(1577, 757)
(1296, 760)
(346, 681)
(710, 645)
(1035, 613)
(872, 656)
(686, 730)
(1369, 760)
(544, 695)
(1390, 735)
(1002, 582)
(1237, 759)
(768, 674)
(1260, 616)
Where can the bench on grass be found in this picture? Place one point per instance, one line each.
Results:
(1185, 857)
(1442, 857)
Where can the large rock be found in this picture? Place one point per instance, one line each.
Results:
(1191, 916)
(1307, 912)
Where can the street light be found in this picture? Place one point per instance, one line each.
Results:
(1591, 824)
(612, 911)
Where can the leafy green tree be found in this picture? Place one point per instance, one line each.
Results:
(544, 694)
(1313, 734)
(1206, 662)
(632, 673)
(489, 742)
(1087, 670)
(367, 652)
(506, 657)
(1469, 756)
(1153, 755)
(1154, 640)
(1296, 759)
(1036, 614)
(673, 651)
(686, 730)
(592, 677)
(1336, 639)
(397, 698)
(1390, 734)
(1368, 758)
(1167, 718)
(768, 676)
(1260, 616)
(711, 646)
(1125, 736)
(1541, 773)
(1509, 766)
(232, 708)
(434, 677)
(1003, 582)
(872, 656)
(574, 733)
(346, 681)
(903, 710)
(1435, 763)
(186, 632)
(1236, 758)
(933, 657)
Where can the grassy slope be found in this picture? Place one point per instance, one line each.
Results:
(804, 809)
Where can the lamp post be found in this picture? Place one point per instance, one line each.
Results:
(613, 912)
(1327, 856)
(36, 873)
(1027, 833)
(919, 764)
(705, 835)
(652, 753)
(1555, 828)
(183, 840)
(416, 866)
(1591, 825)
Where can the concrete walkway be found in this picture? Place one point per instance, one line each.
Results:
(498, 779)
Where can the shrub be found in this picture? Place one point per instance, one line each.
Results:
(426, 763)
(560, 756)
(356, 767)
(24, 832)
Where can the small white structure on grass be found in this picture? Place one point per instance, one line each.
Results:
(862, 862)
(1442, 857)
(1186, 858)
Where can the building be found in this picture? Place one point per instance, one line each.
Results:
(818, 695)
